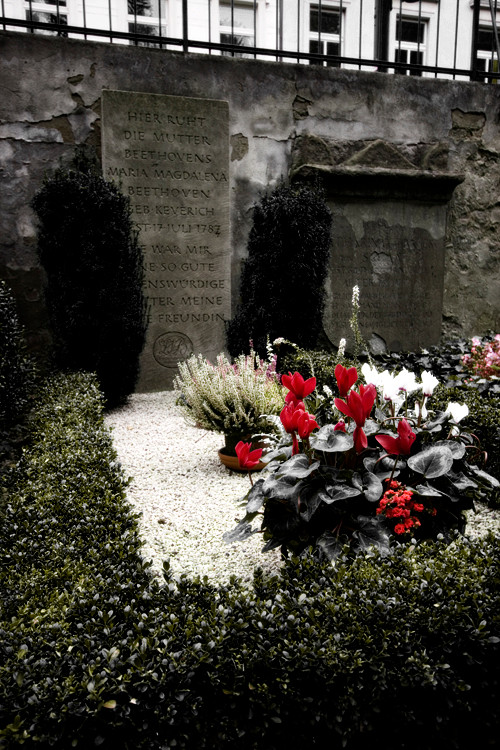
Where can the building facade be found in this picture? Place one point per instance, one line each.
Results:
(452, 35)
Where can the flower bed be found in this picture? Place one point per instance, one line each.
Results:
(96, 653)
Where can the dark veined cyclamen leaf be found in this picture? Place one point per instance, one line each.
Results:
(297, 467)
(456, 447)
(308, 506)
(240, 532)
(370, 484)
(425, 490)
(432, 462)
(329, 440)
(281, 488)
(462, 482)
(255, 497)
(484, 476)
(330, 545)
(371, 533)
(340, 492)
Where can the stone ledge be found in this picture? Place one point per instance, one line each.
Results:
(378, 183)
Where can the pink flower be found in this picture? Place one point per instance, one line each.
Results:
(340, 426)
(247, 458)
(400, 445)
(345, 379)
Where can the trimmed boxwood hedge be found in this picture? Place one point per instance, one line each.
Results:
(94, 652)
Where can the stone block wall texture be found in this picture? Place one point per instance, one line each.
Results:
(280, 116)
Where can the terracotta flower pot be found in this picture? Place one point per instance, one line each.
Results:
(231, 462)
(228, 457)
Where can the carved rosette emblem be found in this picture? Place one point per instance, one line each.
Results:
(171, 348)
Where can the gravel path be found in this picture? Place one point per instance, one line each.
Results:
(188, 499)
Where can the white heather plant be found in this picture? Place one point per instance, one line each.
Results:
(229, 398)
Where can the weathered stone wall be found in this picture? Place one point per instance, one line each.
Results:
(280, 116)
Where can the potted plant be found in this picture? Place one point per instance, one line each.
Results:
(230, 398)
(387, 470)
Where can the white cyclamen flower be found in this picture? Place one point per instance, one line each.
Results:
(407, 381)
(342, 345)
(421, 409)
(389, 386)
(370, 374)
(429, 382)
(457, 411)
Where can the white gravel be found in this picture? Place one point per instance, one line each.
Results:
(187, 499)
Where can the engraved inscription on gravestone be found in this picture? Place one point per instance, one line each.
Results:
(171, 157)
(394, 252)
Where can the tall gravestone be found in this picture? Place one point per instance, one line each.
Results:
(170, 155)
(388, 238)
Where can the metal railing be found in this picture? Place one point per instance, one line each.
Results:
(318, 35)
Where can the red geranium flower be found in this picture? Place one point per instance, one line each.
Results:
(345, 379)
(247, 458)
(400, 445)
(298, 387)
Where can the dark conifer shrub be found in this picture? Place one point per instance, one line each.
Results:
(282, 282)
(16, 369)
(93, 263)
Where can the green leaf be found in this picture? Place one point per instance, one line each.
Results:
(330, 440)
(432, 462)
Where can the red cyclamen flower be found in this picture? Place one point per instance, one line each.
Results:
(306, 424)
(298, 387)
(400, 445)
(247, 458)
(358, 405)
(345, 379)
(290, 415)
(358, 408)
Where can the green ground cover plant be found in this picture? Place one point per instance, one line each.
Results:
(94, 652)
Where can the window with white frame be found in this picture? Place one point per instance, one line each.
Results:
(486, 59)
(48, 11)
(147, 17)
(325, 32)
(237, 24)
(410, 43)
